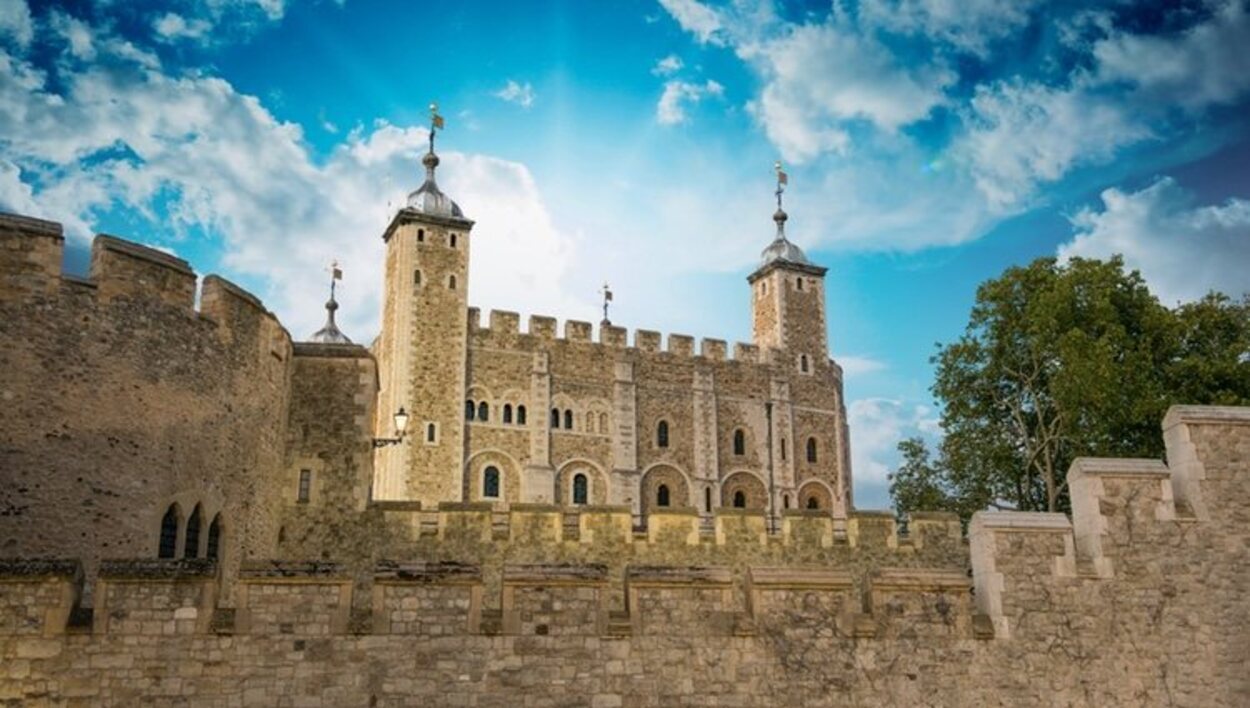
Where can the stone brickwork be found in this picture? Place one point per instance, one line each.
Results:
(1138, 599)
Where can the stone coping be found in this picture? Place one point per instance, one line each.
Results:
(324, 350)
(661, 576)
(1117, 467)
(236, 291)
(1211, 415)
(533, 508)
(1020, 521)
(918, 579)
(395, 505)
(601, 509)
(555, 574)
(293, 570)
(799, 579)
(421, 572)
(467, 506)
(30, 224)
(675, 511)
(731, 511)
(807, 513)
(158, 569)
(130, 248)
(39, 568)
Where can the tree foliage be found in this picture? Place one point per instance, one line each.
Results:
(1060, 361)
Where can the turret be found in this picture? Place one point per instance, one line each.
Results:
(421, 351)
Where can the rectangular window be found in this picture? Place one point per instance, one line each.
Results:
(305, 486)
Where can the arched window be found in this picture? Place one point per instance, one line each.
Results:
(813, 503)
(661, 496)
(785, 501)
(740, 442)
(603, 423)
(661, 434)
(800, 282)
(191, 548)
(507, 412)
(740, 499)
(483, 411)
(469, 409)
(520, 415)
(431, 432)
(490, 482)
(590, 422)
(453, 240)
(803, 363)
(579, 489)
(214, 539)
(416, 277)
(783, 449)
(451, 282)
(420, 235)
(568, 419)
(811, 449)
(303, 493)
(168, 547)
(555, 418)
(707, 500)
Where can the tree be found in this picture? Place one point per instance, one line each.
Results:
(1066, 360)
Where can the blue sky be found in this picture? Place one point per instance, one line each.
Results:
(930, 144)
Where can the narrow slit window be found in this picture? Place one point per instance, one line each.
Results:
(661, 434)
(453, 240)
(580, 485)
(803, 363)
(431, 432)
(469, 409)
(811, 449)
(420, 235)
(416, 277)
(214, 539)
(568, 419)
(490, 483)
(520, 415)
(507, 413)
(740, 442)
(451, 282)
(168, 547)
(483, 411)
(304, 491)
(707, 500)
(191, 548)
(555, 418)
(661, 496)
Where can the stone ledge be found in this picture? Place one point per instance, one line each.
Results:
(558, 574)
(799, 579)
(1209, 415)
(38, 568)
(442, 573)
(1117, 467)
(158, 569)
(532, 508)
(1049, 522)
(662, 576)
(251, 571)
(395, 505)
(918, 579)
(135, 250)
(31, 225)
(466, 506)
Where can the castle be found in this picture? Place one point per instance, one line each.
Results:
(195, 509)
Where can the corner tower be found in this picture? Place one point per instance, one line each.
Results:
(788, 296)
(421, 350)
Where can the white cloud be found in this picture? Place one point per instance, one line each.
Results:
(698, 19)
(172, 26)
(1182, 250)
(859, 365)
(16, 22)
(77, 35)
(190, 153)
(520, 94)
(877, 425)
(668, 66)
(971, 25)
(671, 109)
(1207, 64)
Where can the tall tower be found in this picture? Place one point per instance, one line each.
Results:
(422, 348)
(788, 296)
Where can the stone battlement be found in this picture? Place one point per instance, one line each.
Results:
(503, 331)
(32, 250)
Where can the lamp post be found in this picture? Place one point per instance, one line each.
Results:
(401, 426)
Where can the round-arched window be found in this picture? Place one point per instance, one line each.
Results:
(580, 489)
(490, 482)
(661, 496)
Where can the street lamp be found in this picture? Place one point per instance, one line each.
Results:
(401, 426)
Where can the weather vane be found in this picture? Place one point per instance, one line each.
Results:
(782, 180)
(607, 298)
(436, 123)
(336, 274)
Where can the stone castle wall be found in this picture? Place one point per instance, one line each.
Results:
(1139, 599)
(118, 399)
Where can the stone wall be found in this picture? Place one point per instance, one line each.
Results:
(1139, 599)
(118, 399)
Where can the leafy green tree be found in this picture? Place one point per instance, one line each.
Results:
(1066, 360)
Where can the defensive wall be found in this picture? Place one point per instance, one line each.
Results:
(1138, 599)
